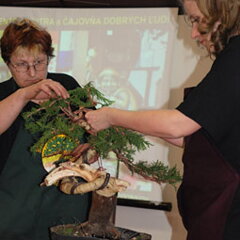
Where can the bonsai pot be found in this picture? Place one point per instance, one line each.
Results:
(69, 232)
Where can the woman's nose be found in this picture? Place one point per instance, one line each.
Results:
(32, 70)
(195, 32)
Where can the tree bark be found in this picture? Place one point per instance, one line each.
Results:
(101, 218)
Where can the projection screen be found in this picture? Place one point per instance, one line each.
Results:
(126, 52)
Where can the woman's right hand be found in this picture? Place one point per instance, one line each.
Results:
(11, 106)
(99, 119)
(44, 90)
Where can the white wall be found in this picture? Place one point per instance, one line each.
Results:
(189, 67)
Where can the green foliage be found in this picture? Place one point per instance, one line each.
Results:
(88, 97)
(48, 120)
(157, 171)
(48, 123)
(118, 140)
(56, 117)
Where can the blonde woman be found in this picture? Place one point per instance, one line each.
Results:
(207, 121)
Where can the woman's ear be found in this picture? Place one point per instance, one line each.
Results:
(216, 25)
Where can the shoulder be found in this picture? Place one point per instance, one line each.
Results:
(7, 87)
(6, 83)
(66, 80)
(225, 71)
(228, 59)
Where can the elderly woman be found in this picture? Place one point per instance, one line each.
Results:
(26, 209)
(207, 122)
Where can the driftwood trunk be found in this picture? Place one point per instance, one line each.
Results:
(101, 218)
(100, 221)
(100, 224)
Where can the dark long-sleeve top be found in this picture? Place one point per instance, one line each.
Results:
(215, 103)
(7, 88)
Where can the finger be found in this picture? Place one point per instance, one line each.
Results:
(90, 117)
(60, 91)
(54, 89)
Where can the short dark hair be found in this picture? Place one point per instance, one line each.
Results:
(23, 32)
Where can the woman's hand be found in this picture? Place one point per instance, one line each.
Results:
(44, 90)
(99, 119)
(39, 92)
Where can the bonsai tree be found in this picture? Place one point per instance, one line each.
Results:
(69, 147)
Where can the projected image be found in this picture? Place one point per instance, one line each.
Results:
(126, 53)
(128, 72)
(111, 76)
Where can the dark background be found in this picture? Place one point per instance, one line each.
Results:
(91, 3)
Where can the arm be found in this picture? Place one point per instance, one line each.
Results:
(12, 106)
(166, 124)
(179, 142)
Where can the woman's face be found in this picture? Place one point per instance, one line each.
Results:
(195, 16)
(28, 67)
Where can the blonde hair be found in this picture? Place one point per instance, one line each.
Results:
(227, 13)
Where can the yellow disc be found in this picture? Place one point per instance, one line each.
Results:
(56, 149)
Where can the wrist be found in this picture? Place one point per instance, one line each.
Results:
(111, 113)
(22, 96)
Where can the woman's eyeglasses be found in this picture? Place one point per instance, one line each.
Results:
(24, 67)
(190, 20)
